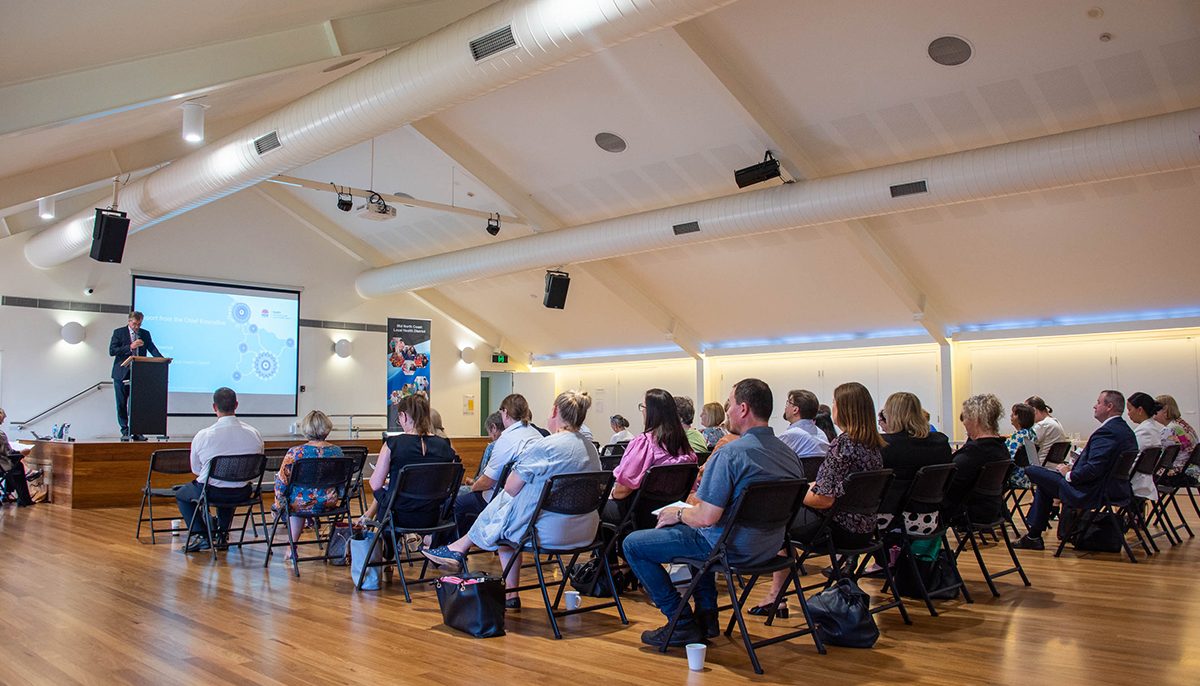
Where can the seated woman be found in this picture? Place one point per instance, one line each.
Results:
(315, 426)
(712, 415)
(824, 422)
(13, 469)
(417, 445)
(1021, 444)
(662, 441)
(858, 448)
(981, 419)
(1178, 432)
(1047, 429)
(508, 515)
(620, 429)
(910, 446)
(1142, 409)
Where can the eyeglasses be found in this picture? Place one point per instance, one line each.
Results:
(642, 407)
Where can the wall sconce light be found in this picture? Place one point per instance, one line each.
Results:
(467, 355)
(343, 348)
(73, 333)
(46, 207)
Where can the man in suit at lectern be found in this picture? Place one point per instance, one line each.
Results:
(128, 341)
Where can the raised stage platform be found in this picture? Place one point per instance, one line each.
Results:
(107, 473)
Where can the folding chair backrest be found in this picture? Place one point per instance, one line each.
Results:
(171, 461)
(237, 467)
(275, 458)
(765, 505)
(428, 481)
(504, 472)
(864, 492)
(1195, 458)
(609, 462)
(576, 493)
(1058, 453)
(928, 487)
(358, 453)
(991, 479)
(1122, 468)
(613, 449)
(322, 473)
(702, 456)
(1147, 460)
(662, 485)
(811, 465)
(1170, 453)
(1026, 453)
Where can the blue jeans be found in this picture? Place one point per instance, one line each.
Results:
(648, 549)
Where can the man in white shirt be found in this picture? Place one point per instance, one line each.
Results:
(228, 436)
(803, 436)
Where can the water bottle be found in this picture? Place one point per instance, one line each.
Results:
(54, 432)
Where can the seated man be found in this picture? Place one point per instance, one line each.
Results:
(1081, 484)
(691, 532)
(228, 436)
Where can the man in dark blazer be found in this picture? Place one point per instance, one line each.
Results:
(128, 341)
(1082, 483)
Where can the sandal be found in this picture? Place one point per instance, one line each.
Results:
(781, 610)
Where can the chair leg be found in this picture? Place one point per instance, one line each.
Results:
(741, 622)
(983, 565)
(546, 593)
(612, 584)
(271, 539)
(362, 573)
(1182, 520)
(1012, 552)
(887, 573)
(741, 600)
(399, 566)
(138, 534)
(906, 551)
(804, 611)
(683, 602)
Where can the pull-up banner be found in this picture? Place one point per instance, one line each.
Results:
(408, 363)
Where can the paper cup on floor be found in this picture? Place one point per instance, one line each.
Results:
(572, 598)
(695, 653)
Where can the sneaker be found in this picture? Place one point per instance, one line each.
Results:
(686, 631)
(1028, 542)
(196, 543)
(445, 558)
(710, 622)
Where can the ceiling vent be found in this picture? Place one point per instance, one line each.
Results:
(949, 51)
(903, 189)
(267, 143)
(494, 43)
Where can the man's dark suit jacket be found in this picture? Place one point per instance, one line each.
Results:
(118, 348)
(1089, 472)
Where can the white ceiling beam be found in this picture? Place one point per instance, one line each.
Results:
(741, 86)
(623, 284)
(447, 307)
(297, 209)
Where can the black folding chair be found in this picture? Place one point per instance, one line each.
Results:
(811, 465)
(233, 468)
(610, 456)
(1190, 488)
(431, 481)
(766, 505)
(926, 494)
(272, 466)
(1057, 454)
(319, 474)
(1166, 497)
(172, 461)
(1014, 496)
(661, 486)
(702, 457)
(989, 485)
(863, 495)
(1121, 472)
(1146, 465)
(358, 453)
(575, 494)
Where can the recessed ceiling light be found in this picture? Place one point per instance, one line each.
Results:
(610, 142)
(1095, 13)
(340, 65)
(1105, 37)
(950, 51)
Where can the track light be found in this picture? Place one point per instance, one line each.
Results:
(493, 224)
(757, 173)
(46, 207)
(345, 201)
(193, 121)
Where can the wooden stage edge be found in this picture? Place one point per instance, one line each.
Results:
(89, 474)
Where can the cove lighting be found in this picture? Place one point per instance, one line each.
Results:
(612, 352)
(1080, 320)
(814, 338)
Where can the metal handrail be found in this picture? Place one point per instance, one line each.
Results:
(94, 387)
(351, 428)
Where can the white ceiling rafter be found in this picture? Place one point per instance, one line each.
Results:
(437, 300)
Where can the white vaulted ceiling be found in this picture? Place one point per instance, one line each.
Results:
(832, 88)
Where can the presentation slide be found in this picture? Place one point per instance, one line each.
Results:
(243, 337)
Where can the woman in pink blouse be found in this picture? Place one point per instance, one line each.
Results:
(661, 442)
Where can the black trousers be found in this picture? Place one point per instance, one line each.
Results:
(121, 390)
(14, 481)
(186, 493)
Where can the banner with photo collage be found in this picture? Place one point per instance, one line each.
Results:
(408, 363)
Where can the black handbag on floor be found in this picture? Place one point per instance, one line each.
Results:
(1103, 534)
(339, 544)
(472, 603)
(843, 617)
(589, 579)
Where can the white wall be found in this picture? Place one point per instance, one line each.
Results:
(240, 238)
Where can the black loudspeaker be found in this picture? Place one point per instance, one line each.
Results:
(108, 235)
(556, 289)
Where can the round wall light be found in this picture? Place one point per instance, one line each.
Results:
(73, 332)
(343, 347)
(467, 355)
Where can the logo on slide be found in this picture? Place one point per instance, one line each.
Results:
(266, 313)
(240, 313)
(265, 365)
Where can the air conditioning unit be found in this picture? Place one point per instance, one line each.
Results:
(377, 212)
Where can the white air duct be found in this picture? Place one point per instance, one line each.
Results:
(515, 39)
(1163, 143)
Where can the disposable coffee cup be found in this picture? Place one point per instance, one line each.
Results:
(572, 598)
(695, 653)
(176, 526)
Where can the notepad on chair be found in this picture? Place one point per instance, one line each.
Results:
(677, 503)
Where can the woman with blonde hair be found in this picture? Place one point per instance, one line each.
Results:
(507, 516)
(910, 445)
(981, 419)
(712, 415)
(858, 448)
(1178, 432)
(315, 426)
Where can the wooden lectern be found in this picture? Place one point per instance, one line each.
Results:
(148, 394)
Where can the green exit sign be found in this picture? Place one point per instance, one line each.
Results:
(499, 358)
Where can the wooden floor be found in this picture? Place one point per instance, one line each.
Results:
(83, 602)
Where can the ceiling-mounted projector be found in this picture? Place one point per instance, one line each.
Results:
(376, 209)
